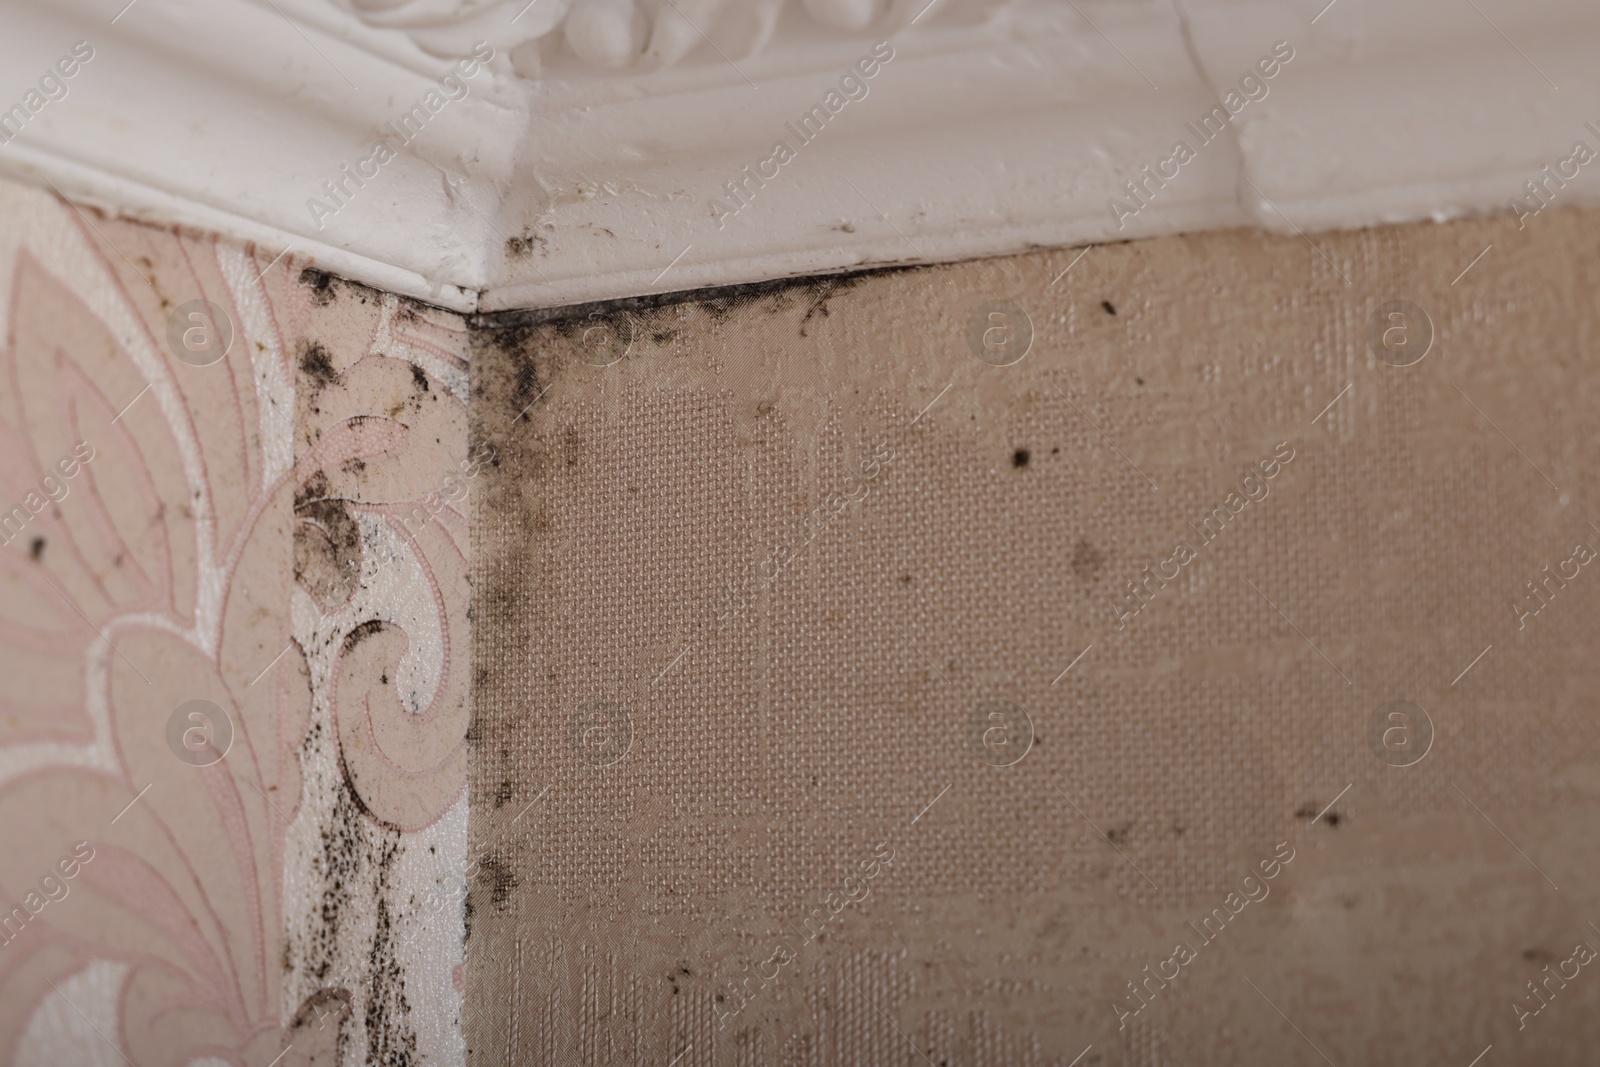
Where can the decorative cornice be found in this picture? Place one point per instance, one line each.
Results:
(785, 144)
(635, 34)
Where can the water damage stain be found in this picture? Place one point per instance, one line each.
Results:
(327, 544)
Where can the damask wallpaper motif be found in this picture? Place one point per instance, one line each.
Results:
(276, 533)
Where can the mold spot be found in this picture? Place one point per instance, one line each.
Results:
(1020, 457)
(419, 378)
(320, 282)
(503, 793)
(502, 879)
(390, 1037)
(527, 382)
(360, 634)
(36, 548)
(317, 365)
(316, 1011)
(1110, 310)
(1086, 560)
(824, 290)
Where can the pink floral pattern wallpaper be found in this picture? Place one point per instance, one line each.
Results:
(232, 627)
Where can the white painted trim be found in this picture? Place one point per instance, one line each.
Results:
(998, 126)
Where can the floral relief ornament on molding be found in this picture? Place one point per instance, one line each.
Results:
(630, 33)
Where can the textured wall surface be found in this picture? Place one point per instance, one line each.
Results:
(859, 684)
(851, 682)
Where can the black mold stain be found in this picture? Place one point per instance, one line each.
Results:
(825, 290)
(356, 799)
(36, 548)
(391, 1041)
(522, 247)
(317, 1010)
(419, 377)
(501, 878)
(351, 850)
(320, 282)
(1107, 305)
(360, 634)
(1309, 811)
(1020, 457)
(718, 301)
(527, 384)
(317, 365)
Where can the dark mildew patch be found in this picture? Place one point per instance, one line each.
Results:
(320, 282)
(391, 1039)
(352, 867)
(316, 365)
(556, 394)
(499, 876)
(1086, 560)
(360, 634)
(523, 246)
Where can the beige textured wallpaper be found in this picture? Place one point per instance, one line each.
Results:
(1175, 652)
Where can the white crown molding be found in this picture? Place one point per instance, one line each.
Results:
(996, 127)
